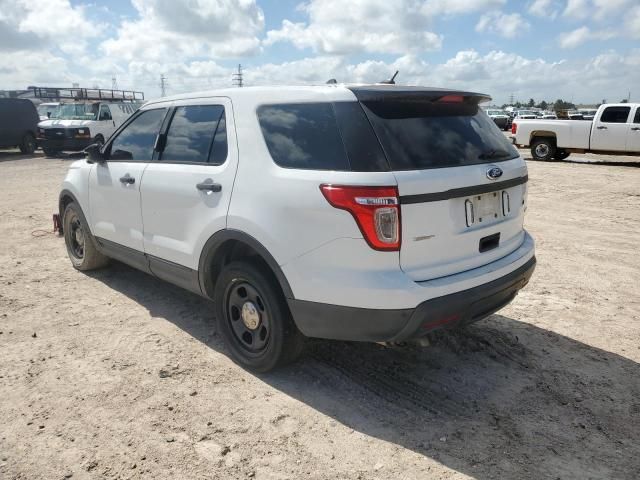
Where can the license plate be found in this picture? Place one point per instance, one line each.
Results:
(483, 208)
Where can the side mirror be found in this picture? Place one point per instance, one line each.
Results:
(94, 155)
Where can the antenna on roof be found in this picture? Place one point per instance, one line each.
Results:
(392, 80)
(332, 81)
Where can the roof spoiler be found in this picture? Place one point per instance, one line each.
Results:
(374, 93)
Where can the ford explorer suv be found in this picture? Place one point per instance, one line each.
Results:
(615, 130)
(373, 213)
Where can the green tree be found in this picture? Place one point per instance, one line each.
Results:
(531, 103)
(624, 100)
(543, 105)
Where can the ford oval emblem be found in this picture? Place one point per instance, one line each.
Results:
(493, 172)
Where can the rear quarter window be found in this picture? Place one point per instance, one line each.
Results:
(303, 136)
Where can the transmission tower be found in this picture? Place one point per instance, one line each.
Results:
(237, 77)
(114, 83)
(163, 85)
(511, 99)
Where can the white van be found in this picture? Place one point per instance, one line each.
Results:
(76, 125)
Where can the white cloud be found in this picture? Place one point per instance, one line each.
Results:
(577, 9)
(544, 8)
(508, 25)
(339, 27)
(582, 35)
(28, 24)
(598, 9)
(188, 28)
(632, 23)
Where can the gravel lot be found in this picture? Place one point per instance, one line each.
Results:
(118, 375)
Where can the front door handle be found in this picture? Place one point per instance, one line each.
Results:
(127, 180)
(209, 186)
(601, 127)
(635, 128)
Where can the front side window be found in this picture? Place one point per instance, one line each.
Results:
(615, 115)
(105, 113)
(197, 134)
(136, 141)
(637, 117)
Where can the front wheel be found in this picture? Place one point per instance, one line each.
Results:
(561, 155)
(543, 149)
(81, 246)
(28, 144)
(254, 319)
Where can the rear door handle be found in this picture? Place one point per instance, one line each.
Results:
(127, 180)
(209, 186)
(635, 128)
(601, 127)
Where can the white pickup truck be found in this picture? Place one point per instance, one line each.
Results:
(615, 130)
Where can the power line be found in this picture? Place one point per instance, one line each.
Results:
(163, 85)
(237, 78)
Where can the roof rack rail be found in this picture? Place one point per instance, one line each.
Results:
(87, 94)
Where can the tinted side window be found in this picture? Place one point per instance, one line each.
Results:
(191, 133)
(219, 149)
(136, 141)
(615, 114)
(303, 136)
(637, 117)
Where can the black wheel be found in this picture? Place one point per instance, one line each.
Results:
(28, 144)
(254, 319)
(543, 149)
(81, 245)
(50, 153)
(561, 155)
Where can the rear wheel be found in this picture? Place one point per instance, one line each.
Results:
(28, 144)
(81, 246)
(543, 149)
(561, 155)
(49, 152)
(254, 319)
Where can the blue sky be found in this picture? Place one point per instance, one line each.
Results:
(587, 50)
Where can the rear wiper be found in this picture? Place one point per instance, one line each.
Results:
(493, 154)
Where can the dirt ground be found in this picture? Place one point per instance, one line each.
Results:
(118, 375)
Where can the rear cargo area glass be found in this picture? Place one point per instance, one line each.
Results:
(422, 134)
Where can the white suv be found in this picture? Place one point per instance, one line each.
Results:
(370, 213)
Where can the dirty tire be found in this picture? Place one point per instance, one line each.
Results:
(254, 319)
(28, 144)
(543, 149)
(49, 153)
(561, 155)
(81, 246)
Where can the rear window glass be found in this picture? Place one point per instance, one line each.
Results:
(422, 134)
(303, 136)
(615, 114)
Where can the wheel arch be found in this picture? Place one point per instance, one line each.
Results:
(542, 134)
(228, 245)
(65, 198)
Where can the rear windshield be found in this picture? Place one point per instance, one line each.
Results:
(422, 134)
(381, 135)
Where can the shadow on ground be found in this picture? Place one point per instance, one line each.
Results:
(502, 399)
(9, 155)
(610, 163)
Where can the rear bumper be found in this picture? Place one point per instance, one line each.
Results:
(448, 311)
(70, 144)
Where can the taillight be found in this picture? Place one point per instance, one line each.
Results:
(514, 128)
(376, 210)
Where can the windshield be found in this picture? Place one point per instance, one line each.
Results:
(77, 111)
(419, 134)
